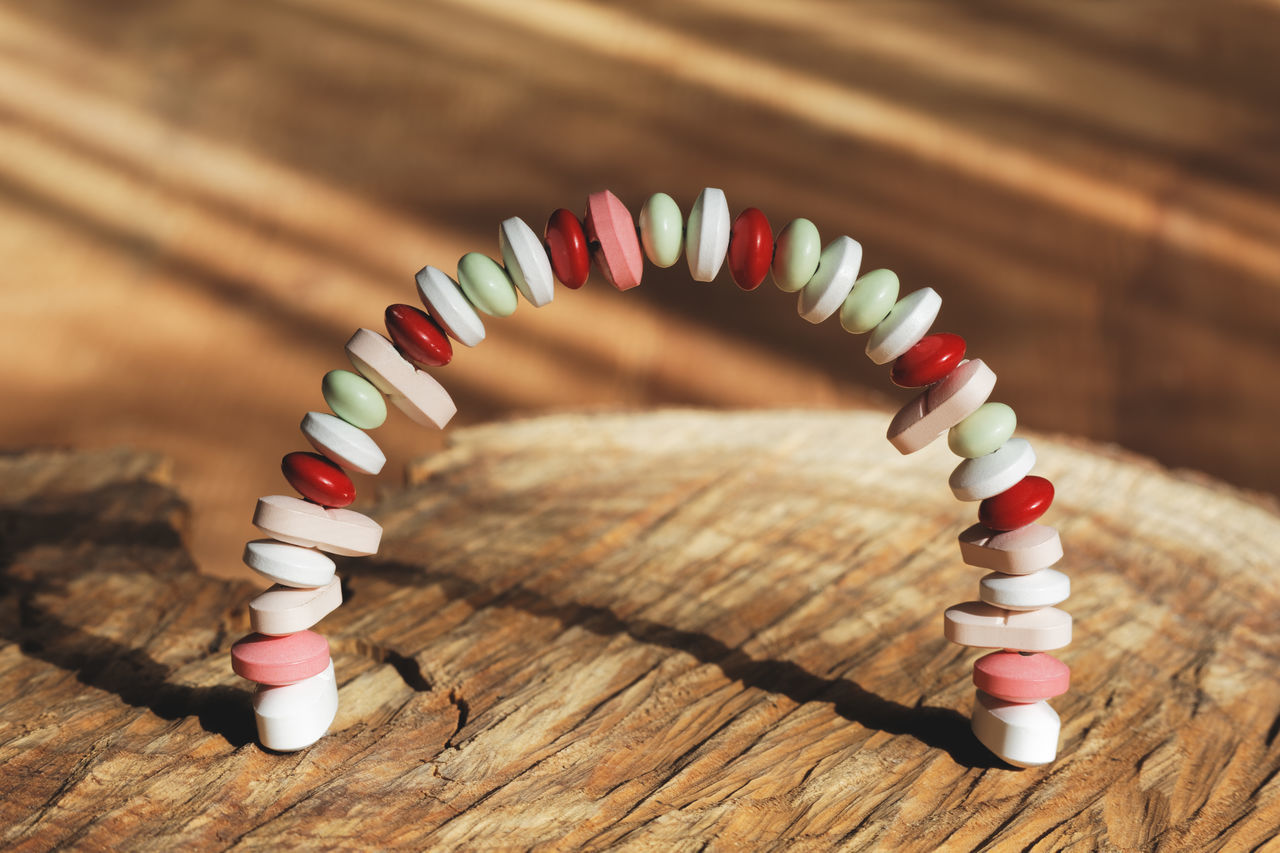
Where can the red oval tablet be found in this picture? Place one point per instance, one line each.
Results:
(928, 361)
(418, 336)
(280, 660)
(567, 247)
(750, 249)
(317, 479)
(1017, 506)
(1016, 677)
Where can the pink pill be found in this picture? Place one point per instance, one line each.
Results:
(280, 660)
(1021, 678)
(611, 233)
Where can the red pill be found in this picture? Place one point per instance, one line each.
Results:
(567, 246)
(928, 361)
(750, 249)
(418, 336)
(317, 479)
(1017, 677)
(1017, 506)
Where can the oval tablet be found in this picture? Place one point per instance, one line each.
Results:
(825, 292)
(986, 476)
(1015, 677)
(294, 716)
(417, 336)
(354, 399)
(706, 239)
(288, 565)
(567, 246)
(608, 225)
(1045, 588)
(317, 479)
(978, 624)
(908, 321)
(338, 531)
(1025, 735)
(750, 249)
(526, 261)
(412, 391)
(349, 446)
(443, 298)
(1015, 552)
(1018, 505)
(985, 431)
(661, 230)
(486, 285)
(939, 407)
(280, 660)
(284, 610)
(870, 301)
(795, 255)
(931, 359)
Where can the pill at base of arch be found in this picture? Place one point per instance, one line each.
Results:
(1016, 608)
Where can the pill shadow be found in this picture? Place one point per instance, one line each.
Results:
(100, 662)
(940, 728)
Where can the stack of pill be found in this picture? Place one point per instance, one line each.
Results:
(296, 699)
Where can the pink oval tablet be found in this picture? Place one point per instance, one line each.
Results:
(1014, 552)
(280, 660)
(609, 224)
(1021, 678)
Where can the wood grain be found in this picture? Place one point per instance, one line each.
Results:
(652, 632)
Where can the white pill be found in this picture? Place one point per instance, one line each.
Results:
(837, 271)
(348, 446)
(1024, 735)
(987, 476)
(706, 238)
(445, 301)
(288, 565)
(1012, 552)
(338, 531)
(1044, 588)
(294, 716)
(414, 392)
(526, 261)
(908, 321)
(283, 610)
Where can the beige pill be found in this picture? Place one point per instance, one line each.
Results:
(413, 391)
(982, 626)
(940, 407)
(337, 531)
(1013, 552)
(286, 610)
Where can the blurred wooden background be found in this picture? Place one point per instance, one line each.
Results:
(199, 202)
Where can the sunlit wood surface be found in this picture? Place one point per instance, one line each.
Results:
(200, 201)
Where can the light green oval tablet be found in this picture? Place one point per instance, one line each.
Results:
(870, 301)
(487, 285)
(796, 255)
(354, 399)
(983, 432)
(661, 230)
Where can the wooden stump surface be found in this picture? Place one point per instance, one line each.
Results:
(657, 632)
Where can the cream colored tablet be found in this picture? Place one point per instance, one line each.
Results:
(983, 626)
(414, 392)
(941, 406)
(284, 610)
(338, 531)
(1013, 552)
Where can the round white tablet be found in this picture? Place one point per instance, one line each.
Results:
(284, 610)
(1044, 588)
(350, 447)
(706, 237)
(908, 321)
(414, 392)
(526, 261)
(294, 716)
(987, 476)
(445, 301)
(837, 271)
(288, 565)
(298, 522)
(1025, 735)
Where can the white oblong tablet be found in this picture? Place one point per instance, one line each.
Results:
(350, 447)
(288, 565)
(445, 301)
(294, 716)
(908, 321)
(706, 237)
(984, 626)
(1025, 735)
(941, 406)
(414, 392)
(987, 476)
(1012, 552)
(526, 261)
(837, 271)
(284, 610)
(1044, 588)
(338, 531)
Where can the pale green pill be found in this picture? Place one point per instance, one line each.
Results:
(354, 399)
(661, 230)
(985, 431)
(796, 255)
(487, 285)
(870, 302)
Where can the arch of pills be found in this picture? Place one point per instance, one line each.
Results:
(296, 696)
